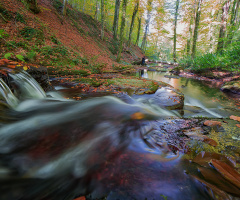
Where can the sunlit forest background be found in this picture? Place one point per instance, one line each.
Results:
(176, 30)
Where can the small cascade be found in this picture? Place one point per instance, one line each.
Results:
(27, 86)
(6, 95)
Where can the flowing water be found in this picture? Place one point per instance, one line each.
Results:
(210, 100)
(54, 148)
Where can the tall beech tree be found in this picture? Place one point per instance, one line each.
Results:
(135, 10)
(124, 7)
(233, 21)
(102, 18)
(96, 10)
(116, 17)
(149, 9)
(175, 31)
(223, 26)
(64, 11)
(195, 33)
(139, 29)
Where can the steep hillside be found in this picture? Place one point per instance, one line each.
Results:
(50, 39)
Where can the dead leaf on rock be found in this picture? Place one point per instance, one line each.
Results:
(227, 172)
(204, 158)
(210, 141)
(213, 177)
(213, 190)
(212, 123)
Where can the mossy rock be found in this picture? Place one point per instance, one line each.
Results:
(233, 86)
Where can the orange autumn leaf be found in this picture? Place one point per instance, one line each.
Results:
(238, 125)
(81, 198)
(233, 117)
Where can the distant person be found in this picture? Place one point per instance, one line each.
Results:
(143, 61)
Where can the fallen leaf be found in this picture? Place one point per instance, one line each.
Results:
(204, 158)
(212, 123)
(210, 141)
(227, 172)
(213, 177)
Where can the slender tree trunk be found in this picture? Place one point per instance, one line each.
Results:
(175, 31)
(83, 8)
(102, 18)
(64, 11)
(96, 11)
(33, 6)
(195, 33)
(124, 7)
(144, 41)
(211, 34)
(116, 17)
(190, 37)
(133, 20)
(139, 29)
(223, 26)
(233, 21)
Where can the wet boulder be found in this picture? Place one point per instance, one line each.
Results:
(169, 98)
(233, 86)
(166, 97)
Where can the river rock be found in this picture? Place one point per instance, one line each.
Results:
(233, 86)
(169, 98)
(164, 97)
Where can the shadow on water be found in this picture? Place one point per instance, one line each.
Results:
(53, 148)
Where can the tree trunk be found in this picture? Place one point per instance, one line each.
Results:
(190, 37)
(144, 41)
(116, 17)
(83, 8)
(175, 32)
(124, 7)
(96, 11)
(195, 33)
(64, 11)
(33, 6)
(233, 21)
(102, 18)
(139, 29)
(133, 20)
(223, 26)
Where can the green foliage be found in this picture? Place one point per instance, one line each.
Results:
(20, 18)
(66, 71)
(8, 55)
(58, 5)
(29, 33)
(54, 50)
(8, 15)
(20, 57)
(30, 56)
(228, 60)
(55, 40)
(96, 69)
(84, 61)
(11, 45)
(3, 34)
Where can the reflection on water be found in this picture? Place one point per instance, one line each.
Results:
(199, 93)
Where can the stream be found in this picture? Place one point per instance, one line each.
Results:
(57, 148)
(211, 101)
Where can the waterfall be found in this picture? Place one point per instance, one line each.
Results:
(6, 95)
(28, 86)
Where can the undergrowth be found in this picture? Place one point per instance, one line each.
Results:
(227, 60)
